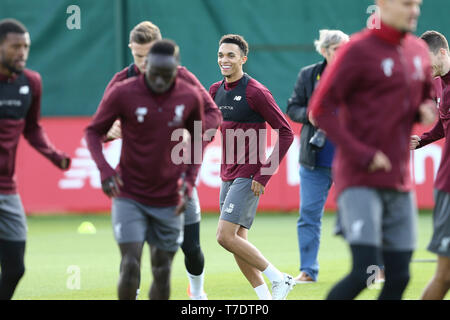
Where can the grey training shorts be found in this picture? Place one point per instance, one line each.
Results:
(440, 242)
(135, 222)
(13, 223)
(238, 203)
(378, 217)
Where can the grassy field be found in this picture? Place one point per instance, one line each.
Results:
(55, 249)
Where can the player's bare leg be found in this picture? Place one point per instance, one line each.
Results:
(227, 236)
(252, 274)
(440, 283)
(130, 270)
(161, 269)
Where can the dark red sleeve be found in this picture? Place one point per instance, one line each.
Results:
(212, 114)
(432, 89)
(261, 100)
(118, 77)
(196, 116)
(213, 89)
(107, 113)
(33, 131)
(433, 135)
(337, 83)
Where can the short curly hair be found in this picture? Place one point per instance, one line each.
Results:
(237, 40)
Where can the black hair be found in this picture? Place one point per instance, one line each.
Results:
(237, 40)
(165, 47)
(11, 26)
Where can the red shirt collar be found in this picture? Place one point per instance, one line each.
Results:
(389, 34)
(5, 78)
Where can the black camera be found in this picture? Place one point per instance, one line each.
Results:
(318, 139)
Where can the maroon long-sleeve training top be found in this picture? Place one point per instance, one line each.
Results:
(20, 107)
(212, 116)
(441, 130)
(368, 100)
(149, 173)
(264, 107)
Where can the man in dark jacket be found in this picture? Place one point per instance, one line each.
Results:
(316, 156)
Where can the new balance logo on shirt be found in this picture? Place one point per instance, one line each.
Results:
(24, 90)
(237, 98)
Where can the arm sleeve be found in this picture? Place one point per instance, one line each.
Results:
(107, 113)
(212, 114)
(437, 132)
(297, 103)
(196, 116)
(337, 82)
(262, 101)
(33, 132)
(433, 135)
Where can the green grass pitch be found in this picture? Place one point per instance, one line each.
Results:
(55, 249)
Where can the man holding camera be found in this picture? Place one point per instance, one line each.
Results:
(316, 156)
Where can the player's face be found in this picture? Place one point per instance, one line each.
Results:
(401, 14)
(161, 72)
(140, 52)
(14, 52)
(437, 62)
(231, 60)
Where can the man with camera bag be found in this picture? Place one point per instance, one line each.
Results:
(316, 156)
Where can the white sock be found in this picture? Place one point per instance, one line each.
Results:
(137, 294)
(196, 283)
(273, 274)
(263, 292)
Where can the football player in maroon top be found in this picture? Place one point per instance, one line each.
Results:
(141, 38)
(247, 106)
(20, 106)
(440, 242)
(367, 102)
(145, 188)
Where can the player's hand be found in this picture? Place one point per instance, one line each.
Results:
(115, 132)
(65, 163)
(427, 113)
(111, 186)
(257, 188)
(414, 142)
(380, 162)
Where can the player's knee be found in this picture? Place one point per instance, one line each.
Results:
(130, 267)
(161, 274)
(224, 239)
(444, 279)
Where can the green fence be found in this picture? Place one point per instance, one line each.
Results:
(76, 64)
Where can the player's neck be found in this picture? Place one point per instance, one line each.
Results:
(235, 77)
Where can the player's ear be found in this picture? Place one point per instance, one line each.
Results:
(244, 59)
